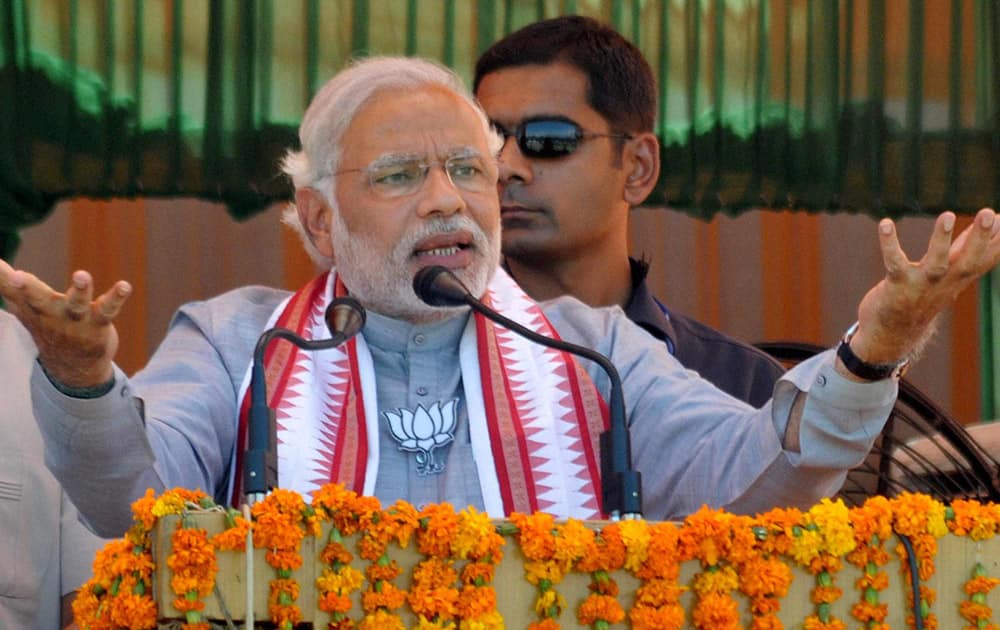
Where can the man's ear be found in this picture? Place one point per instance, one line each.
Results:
(643, 164)
(316, 218)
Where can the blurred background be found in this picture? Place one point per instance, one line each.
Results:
(140, 140)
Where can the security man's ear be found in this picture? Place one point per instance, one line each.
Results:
(316, 218)
(642, 159)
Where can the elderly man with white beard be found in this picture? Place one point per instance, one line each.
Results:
(398, 172)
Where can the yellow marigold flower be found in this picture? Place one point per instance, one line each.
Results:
(549, 600)
(806, 546)
(722, 580)
(832, 518)
(168, 503)
(344, 580)
(381, 620)
(636, 537)
(475, 537)
(489, 621)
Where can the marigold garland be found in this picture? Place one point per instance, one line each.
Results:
(452, 586)
(281, 522)
(922, 520)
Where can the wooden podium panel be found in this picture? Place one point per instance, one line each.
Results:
(516, 597)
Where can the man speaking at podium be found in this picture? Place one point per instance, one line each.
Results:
(397, 172)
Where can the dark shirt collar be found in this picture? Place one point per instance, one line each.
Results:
(645, 310)
(642, 308)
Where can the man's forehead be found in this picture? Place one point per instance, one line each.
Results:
(425, 122)
(399, 157)
(510, 95)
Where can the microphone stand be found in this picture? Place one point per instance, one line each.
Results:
(621, 485)
(260, 464)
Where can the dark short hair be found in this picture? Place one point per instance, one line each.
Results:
(621, 87)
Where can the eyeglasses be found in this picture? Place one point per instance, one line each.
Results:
(549, 138)
(398, 176)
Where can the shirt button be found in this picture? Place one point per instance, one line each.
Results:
(418, 338)
(421, 391)
(821, 380)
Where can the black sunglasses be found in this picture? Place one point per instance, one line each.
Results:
(551, 137)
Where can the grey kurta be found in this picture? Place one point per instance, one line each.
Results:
(46, 551)
(693, 444)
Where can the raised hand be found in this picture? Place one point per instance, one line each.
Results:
(74, 332)
(897, 315)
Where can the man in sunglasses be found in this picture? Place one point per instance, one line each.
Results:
(576, 103)
(430, 404)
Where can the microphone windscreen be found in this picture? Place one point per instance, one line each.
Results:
(439, 286)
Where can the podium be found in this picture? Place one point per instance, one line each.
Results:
(826, 565)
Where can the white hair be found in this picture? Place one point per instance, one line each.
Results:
(334, 108)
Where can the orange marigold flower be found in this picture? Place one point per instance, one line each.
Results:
(716, 611)
(434, 539)
(433, 603)
(662, 559)
(476, 601)
(765, 576)
(658, 593)
(980, 584)
(335, 553)
(233, 538)
(474, 572)
(813, 623)
(825, 594)
(390, 597)
(535, 534)
(332, 602)
(973, 519)
(133, 611)
(665, 618)
(544, 624)
(387, 572)
(600, 608)
(608, 553)
(865, 612)
(142, 510)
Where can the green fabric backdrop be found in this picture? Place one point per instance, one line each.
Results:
(876, 106)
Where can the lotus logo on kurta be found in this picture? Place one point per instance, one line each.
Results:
(424, 430)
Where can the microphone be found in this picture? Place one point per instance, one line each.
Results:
(621, 486)
(345, 317)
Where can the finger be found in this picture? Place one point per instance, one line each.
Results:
(936, 261)
(33, 294)
(974, 257)
(79, 295)
(110, 303)
(893, 257)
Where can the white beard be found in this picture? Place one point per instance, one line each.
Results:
(383, 283)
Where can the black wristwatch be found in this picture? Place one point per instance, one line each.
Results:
(867, 371)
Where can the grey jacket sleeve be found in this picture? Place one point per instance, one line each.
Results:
(696, 445)
(173, 424)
